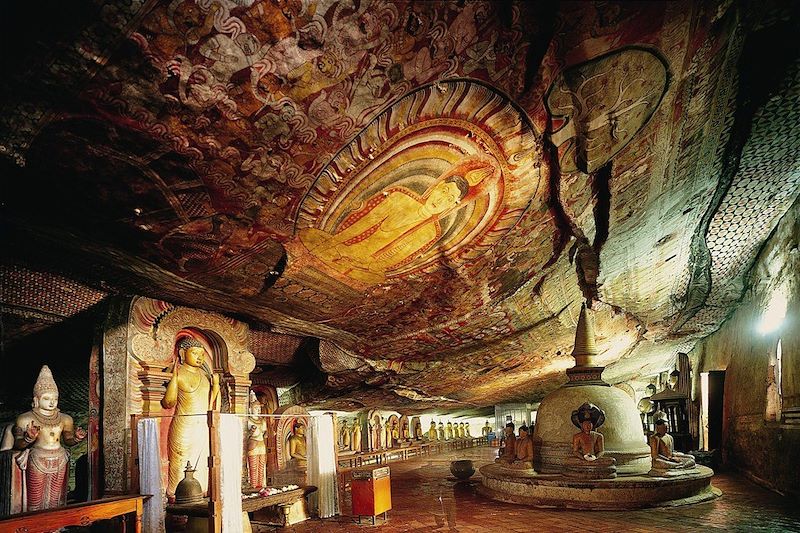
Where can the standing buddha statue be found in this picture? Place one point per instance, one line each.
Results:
(449, 433)
(192, 390)
(39, 433)
(355, 438)
(344, 436)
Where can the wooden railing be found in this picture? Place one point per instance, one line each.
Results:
(78, 514)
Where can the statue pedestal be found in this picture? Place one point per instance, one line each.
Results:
(628, 492)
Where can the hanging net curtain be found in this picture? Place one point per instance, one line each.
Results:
(322, 467)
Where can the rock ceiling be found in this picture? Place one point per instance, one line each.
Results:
(430, 188)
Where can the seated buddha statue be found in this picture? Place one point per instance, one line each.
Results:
(587, 458)
(508, 454)
(432, 431)
(666, 461)
(297, 446)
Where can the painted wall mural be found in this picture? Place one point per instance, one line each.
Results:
(429, 187)
(441, 174)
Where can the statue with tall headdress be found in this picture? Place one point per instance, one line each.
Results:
(40, 433)
(256, 448)
(193, 390)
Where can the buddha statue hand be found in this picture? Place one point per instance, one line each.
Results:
(31, 433)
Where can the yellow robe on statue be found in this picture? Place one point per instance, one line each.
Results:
(188, 435)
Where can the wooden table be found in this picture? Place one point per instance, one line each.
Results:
(282, 500)
(77, 514)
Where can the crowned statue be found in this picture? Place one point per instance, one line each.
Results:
(192, 390)
(39, 433)
(256, 448)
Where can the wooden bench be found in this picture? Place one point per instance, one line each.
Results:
(77, 514)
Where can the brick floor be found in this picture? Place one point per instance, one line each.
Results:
(424, 499)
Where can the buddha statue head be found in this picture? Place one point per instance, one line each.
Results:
(523, 431)
(192, 353)
(45, 392)
(588, 417)
(661, 424)
(674, 377)
(299, 429)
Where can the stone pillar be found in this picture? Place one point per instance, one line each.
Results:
(239, 392)
(154, 384)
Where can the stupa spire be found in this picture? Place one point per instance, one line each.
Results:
(585, 348)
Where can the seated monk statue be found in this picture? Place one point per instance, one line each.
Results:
(587, 458)
(523, 454)
(666, 461)
(509, 452)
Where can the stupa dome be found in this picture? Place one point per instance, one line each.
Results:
(622, 430)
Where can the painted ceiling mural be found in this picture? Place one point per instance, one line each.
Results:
(431, 188)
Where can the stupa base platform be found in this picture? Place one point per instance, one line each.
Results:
(621, 493)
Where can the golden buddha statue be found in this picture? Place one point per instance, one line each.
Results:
(355, 438)
(588, 446)
(432, 431)
(256, 448)
(297, 445)
(486, 429)
(462, 433)
(440, 435)
(405, 433)
(192, 390)
(395, 226)
(666, 461)
(418, 429)
(344, 436)
(449, 431)
(39, 433)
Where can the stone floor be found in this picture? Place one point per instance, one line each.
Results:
(424, 499)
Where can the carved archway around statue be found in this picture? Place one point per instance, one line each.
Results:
(417, 435)
(391, 422)
(404, 422)
(154, 326)
(289, 415)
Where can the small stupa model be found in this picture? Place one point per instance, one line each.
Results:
(604, 465)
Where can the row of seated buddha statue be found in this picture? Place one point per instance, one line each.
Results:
(452, 431)
(587, 459)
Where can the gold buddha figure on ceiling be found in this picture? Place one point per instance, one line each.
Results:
(396, 226)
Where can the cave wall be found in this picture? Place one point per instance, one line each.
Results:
(766, 451)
